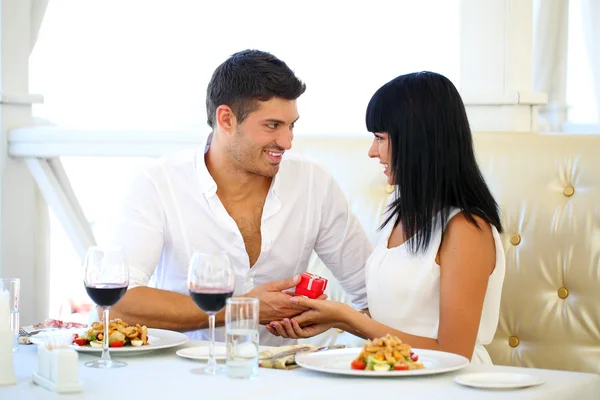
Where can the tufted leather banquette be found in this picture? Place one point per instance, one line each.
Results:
(548, 188)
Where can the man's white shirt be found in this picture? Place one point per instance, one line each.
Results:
(171, 209)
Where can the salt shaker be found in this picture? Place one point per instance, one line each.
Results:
(63, 367)
(44, 358)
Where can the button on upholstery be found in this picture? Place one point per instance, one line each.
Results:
(515, 239)
(513, 341)
(563, 292)
(569, 191)
(389, 189)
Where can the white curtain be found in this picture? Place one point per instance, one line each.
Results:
(550, 39)
(591, 25)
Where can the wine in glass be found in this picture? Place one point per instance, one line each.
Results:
(211, 281)
(106, 277)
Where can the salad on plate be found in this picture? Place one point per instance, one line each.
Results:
(120, 334)
(386, 354)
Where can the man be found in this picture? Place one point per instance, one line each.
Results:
(239, 193)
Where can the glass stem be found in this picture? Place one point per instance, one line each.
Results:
(212, 362)
(105, 354)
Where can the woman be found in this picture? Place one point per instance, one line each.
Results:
(435, 277)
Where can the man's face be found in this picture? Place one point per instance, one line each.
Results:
(260, 141)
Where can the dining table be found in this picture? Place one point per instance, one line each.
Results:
(163, 374)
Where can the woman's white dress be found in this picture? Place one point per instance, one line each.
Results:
(404, 289)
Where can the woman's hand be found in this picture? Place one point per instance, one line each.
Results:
(322, 316)
(290, 329)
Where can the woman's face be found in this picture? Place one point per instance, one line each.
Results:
(380, 149)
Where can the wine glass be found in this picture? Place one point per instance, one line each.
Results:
(211, 281)
(106, 277)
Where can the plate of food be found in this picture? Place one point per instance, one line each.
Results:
(382, 357)
(122, 338)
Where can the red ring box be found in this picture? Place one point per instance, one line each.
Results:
(310, 285)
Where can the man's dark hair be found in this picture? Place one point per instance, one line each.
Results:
(247, 77)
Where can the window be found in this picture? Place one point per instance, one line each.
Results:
(581, 99)
(146, 64)
(140, 64)
(95, 182)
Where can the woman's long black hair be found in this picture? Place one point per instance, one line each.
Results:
(432, 160)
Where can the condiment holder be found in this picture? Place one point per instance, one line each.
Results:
(58, 367)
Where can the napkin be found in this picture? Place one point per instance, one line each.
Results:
(280, 357)
(49, 324)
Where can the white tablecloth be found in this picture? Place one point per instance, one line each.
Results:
(160, 373)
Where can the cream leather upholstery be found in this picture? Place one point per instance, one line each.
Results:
(548, 187)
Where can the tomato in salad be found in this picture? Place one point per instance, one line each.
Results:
(358, 364)
(80, 341)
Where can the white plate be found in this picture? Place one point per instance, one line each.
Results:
(201, 353)
(338, 362)
(158, 338)
(498, 380)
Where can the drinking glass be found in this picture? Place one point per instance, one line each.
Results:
(106, 277)
(12, 286)
(241, 329)
(211, 281)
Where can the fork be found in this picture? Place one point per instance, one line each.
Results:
(23, 332)
(301, 350)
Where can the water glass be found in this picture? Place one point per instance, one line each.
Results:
(12, 286)
(241, 330)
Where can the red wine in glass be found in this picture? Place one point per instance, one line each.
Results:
(106, 295)
(106, 278)
(210, 300)
(211, 281)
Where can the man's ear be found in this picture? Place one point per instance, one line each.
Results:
(226, 119)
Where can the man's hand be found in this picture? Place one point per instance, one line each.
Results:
(321, 316)
(275, 305)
